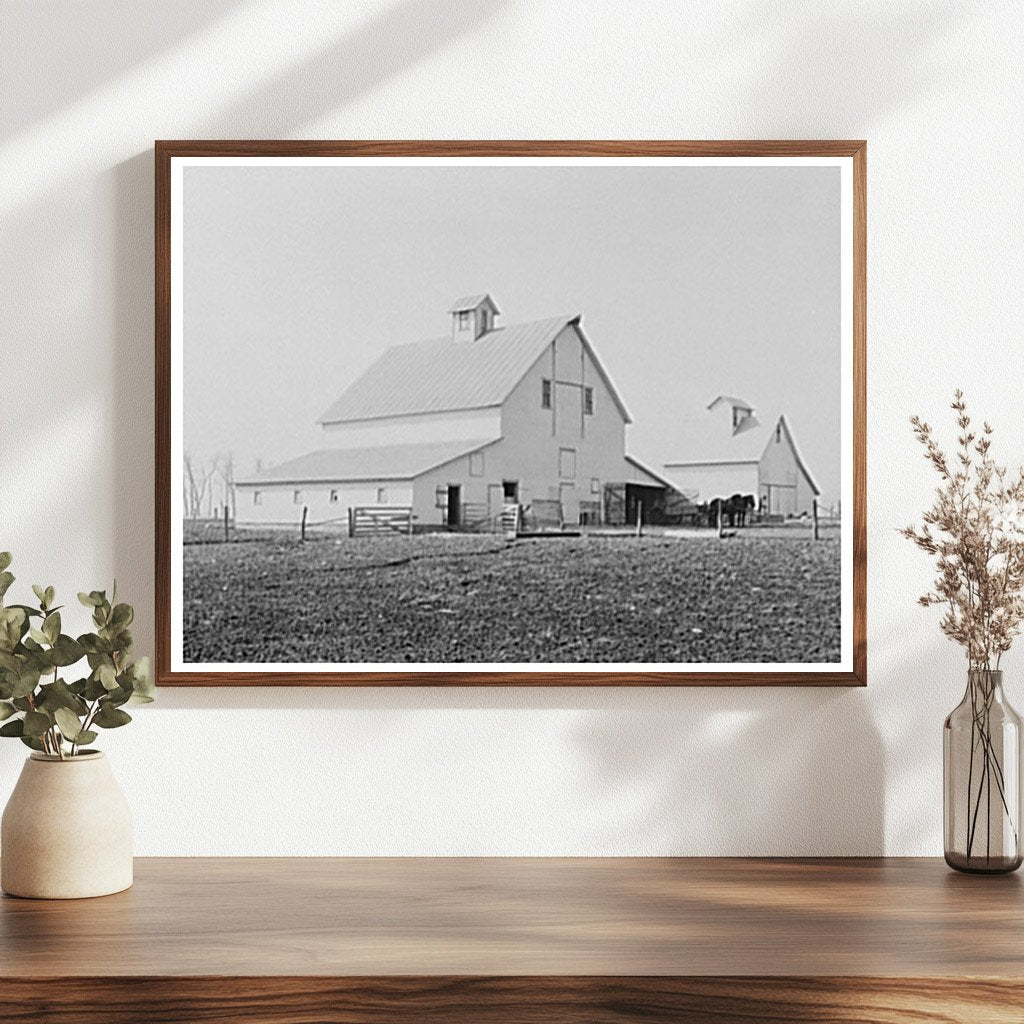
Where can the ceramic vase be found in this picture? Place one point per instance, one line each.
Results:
(66, 831)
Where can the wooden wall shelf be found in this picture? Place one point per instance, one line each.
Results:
(502, 941)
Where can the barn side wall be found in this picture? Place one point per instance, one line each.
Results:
(534, 437)
(714, 480)
(781, 475)
(278, 506)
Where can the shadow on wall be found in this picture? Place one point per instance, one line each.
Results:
(386, 45)
(689, 771)
(48, 46)
(739, 772)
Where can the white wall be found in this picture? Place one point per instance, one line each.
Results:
(936, 88)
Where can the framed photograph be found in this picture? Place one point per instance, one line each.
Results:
(492, 413)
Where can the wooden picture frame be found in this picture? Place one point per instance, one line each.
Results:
(848, 156)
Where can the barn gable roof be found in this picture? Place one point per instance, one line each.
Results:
(706, 443)
(443, 375)
(386, 462)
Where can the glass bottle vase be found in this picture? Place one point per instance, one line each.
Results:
(981, 771)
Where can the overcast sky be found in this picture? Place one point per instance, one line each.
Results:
(691, 282)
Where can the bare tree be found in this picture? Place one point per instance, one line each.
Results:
(196, 486)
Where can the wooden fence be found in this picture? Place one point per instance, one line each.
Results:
(379, 521)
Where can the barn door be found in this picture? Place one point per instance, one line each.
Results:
(495, 500)
(570, 504)
(454, 505)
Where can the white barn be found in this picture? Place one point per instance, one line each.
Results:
(458, 426)
(730, 450)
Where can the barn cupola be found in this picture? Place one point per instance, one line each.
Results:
(472, 317)
(737, 414)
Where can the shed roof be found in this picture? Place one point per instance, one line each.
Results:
(705, 439)
(443, 375)
(386, 462)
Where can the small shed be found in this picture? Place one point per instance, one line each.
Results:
(730, 449)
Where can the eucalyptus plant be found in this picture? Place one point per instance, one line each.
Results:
(37, 704)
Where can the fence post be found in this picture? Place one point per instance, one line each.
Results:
(719, 518)
(814, 519)
(305, 509)
(227, 535)
(639, 518)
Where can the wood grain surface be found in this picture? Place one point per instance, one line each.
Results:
(522, 939)
(166, 150)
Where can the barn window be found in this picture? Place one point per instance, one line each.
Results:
(464, 315)
(334, 497)
(257, 497)
(595, 485)
(588, 401)
(382, 495)
(545, 394)
(483, 321)
(296, 497)
(567, 463)
(476, 464)
(778, 433)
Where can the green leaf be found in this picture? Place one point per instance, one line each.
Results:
(94, 689)
(122, 616)
(69, 723)
(123, 694)
(31, 741)
(89, 600)
(13, 625)
(50, 595)
(59, 695)
(40, 592)
(86, 736)
(16, 727)
(66, 651)
(27, 681)
(36, 723)
(28, 610)
(94, 644)
(51, 626)
(108, 718)
(38, 635)
(6, 710)
(142, 678)
(5, 559)
(107, 676)
(6, 579)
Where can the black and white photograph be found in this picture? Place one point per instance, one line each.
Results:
(588, 415)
